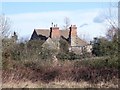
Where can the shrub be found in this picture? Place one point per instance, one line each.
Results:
(62, 56)
(105, 63)
(68, 56)
(72, 56)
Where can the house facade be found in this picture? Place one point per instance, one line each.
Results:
(54, 34)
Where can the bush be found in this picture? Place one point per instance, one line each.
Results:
(99, 62)
(62, 56)
(73, 56)
(105, 63)
(36, 61)
(28, 51)
(68, 56)
(46, 54)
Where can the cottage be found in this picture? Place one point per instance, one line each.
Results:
(52, 36)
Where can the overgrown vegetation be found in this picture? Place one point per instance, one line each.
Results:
(31, 61)
(107, 46)
(31, 58)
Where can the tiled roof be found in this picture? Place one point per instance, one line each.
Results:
(44, 32)
(64, 33)
(80, 42)
(50, 44)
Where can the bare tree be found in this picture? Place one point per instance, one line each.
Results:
(111, 17)
(111, 32)
(67, 23)
(4, 25)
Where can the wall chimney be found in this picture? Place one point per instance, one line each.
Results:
(54, 32)
(73, 35)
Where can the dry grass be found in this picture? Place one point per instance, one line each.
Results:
(61, 75)
(57, 84)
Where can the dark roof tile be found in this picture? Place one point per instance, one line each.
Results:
(44, 32)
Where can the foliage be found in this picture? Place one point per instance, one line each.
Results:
(99, 62)
(39, 69)
(33, 62)
(68, 56)
(34, 71)
(106, 47)
(63, 45)
(31, 50)
(46, 53)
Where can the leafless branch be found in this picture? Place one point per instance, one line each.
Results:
(4, 25)
(67, 23)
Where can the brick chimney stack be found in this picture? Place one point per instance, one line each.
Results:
(73, 30)
(73, 35)
(54, 32)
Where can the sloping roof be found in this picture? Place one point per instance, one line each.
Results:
(49, 44)
(44, 32)
(64, 33)
(80, 42)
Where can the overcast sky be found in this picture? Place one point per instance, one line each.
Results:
(89, 17)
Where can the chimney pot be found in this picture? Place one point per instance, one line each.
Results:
(52, 24)
(74, 25)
